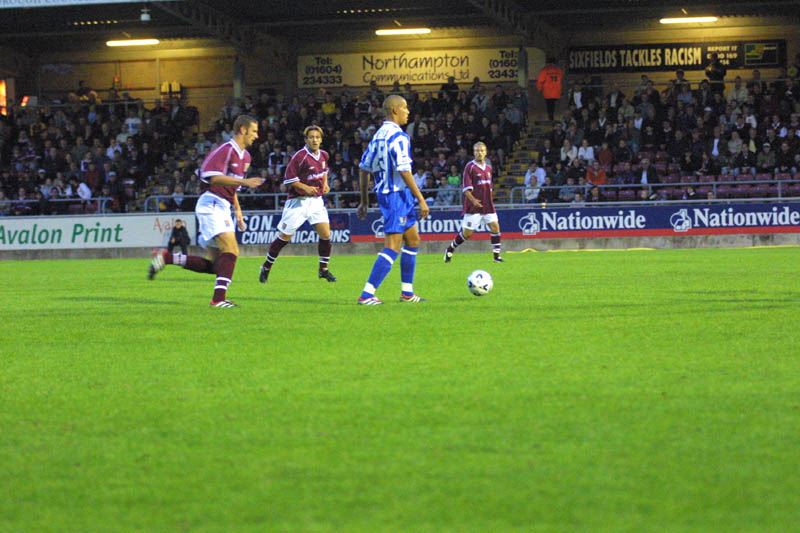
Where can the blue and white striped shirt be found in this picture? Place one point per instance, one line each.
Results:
(388, 154)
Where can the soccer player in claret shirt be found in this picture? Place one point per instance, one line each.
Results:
(388, 158)
(223, 171)
(478, 203)
(307, 180)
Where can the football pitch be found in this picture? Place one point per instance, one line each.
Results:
(608, 391)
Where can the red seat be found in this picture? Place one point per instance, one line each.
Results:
(609, 194)
(626, 195)
(724, 191)
(764, 176)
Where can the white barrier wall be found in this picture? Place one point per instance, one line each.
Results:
(114, 231)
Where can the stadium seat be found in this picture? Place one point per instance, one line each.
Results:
(688, 179)
(783, 176)
(703, 190)
(609, 195)
(741, 191)
(759, 191)
(749, 177)
(674, 168)
(671, 178)
(791, 190)
(660, 167)
(764, 176)
(726, 177)
(626, 195)
(724, 191)
(706, 179)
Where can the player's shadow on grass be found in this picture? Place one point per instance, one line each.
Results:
(282, 299)
(117, 300)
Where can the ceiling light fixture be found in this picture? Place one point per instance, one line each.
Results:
(133, 42)
(687, 20)
(403, 31)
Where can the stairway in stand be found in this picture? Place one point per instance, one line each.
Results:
(513, 172)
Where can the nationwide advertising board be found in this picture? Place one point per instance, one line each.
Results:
(623, 221)
(112, 231)
(121, 231)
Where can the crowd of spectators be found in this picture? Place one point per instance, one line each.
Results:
(122, 151)
(655, 141)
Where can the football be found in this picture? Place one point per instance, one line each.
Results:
(480, 283)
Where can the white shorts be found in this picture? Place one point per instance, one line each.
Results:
(473, 220)
(298, 210)
(213, 217)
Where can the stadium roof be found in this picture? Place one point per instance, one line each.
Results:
(237, 21)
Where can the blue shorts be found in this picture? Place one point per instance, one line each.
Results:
(398, 211)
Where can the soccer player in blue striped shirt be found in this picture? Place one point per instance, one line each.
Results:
(388, 159)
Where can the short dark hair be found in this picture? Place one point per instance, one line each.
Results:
(243, 121)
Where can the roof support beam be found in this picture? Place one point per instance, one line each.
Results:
(241, 35)
(531, 28)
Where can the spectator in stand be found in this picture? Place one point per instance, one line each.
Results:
(605, 156)
(715, 72)
(596, 175)
(785, 160)
(647, 175)
(766, 160)
(549, 84)
(622, 154)
(737, 95)
(567, 192)
(549, 193)
(586, 152)
(534, 180)
(447, 193)
(568, 152)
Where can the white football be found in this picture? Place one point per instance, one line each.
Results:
(480, 283)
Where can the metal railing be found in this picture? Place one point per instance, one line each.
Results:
(517, 194)
(100, 205)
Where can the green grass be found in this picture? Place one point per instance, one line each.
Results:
(616, 391)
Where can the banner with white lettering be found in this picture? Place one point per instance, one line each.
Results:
(623, 221)
(262, 229)
(674, 56)
(416, 67)
(110, 231)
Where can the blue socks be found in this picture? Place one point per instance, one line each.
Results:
(383, 264)
(408, 263)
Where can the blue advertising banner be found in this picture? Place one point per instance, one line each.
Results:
(557, 223)
(626, 221)
(262, 229)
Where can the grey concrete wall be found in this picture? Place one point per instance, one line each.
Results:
(437, 247)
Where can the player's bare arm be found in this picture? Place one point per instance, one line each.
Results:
(363, 177)
(325, 188)
(304, 189)
(229, 181)
(424, 211)
(475, 201)
(238, 212)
